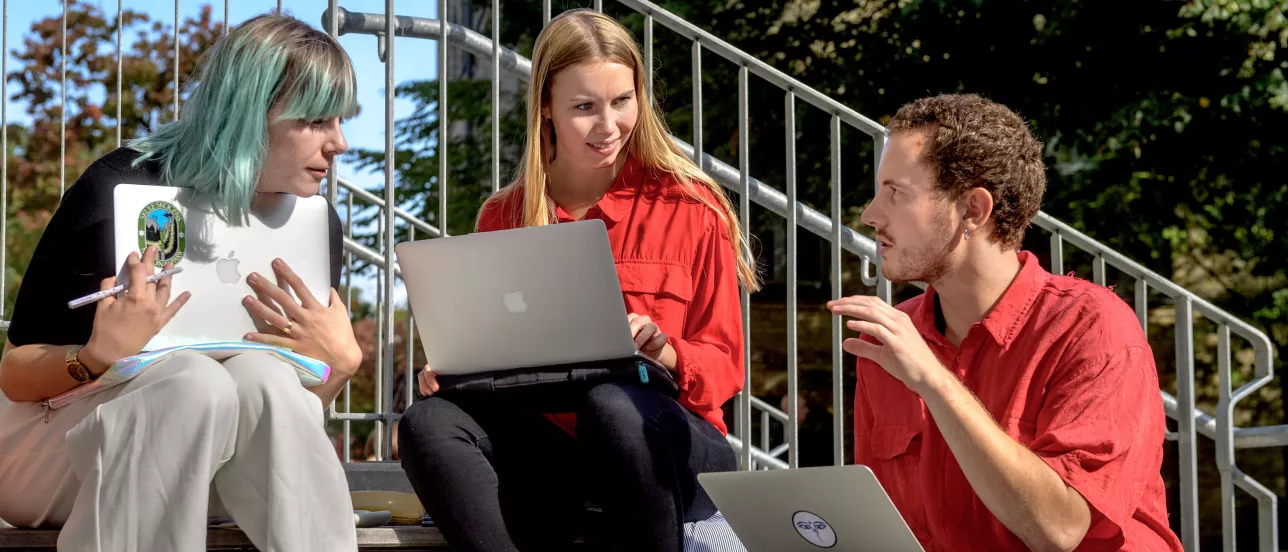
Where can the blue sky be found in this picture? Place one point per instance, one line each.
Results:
(415, 59)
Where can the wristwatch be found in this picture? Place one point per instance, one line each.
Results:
(77, 370)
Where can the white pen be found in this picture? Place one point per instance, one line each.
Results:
(99, 296)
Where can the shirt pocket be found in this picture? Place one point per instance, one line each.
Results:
(660, 291)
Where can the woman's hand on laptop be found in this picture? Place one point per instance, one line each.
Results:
(123, 325)
(650, 340)
(310, 328)
(427, 381)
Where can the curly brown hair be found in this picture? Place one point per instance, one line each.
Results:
(976, 143)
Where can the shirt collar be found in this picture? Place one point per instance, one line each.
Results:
(1005, 319)
(620, 195)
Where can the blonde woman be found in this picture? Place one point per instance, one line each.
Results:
(140, 466)
(500, 477)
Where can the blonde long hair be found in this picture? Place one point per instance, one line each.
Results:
(583, 35)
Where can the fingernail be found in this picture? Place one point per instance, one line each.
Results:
(247, 300)
(277, 263)
(254, 277)
(249, 337)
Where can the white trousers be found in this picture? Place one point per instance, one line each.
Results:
(134, 467)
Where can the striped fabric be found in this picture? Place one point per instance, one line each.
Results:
(712, 535)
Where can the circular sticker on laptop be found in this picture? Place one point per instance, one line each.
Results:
(814, 529)
(161, 224)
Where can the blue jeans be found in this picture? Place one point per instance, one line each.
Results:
(502, 477)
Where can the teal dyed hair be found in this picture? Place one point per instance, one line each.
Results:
(218, 145)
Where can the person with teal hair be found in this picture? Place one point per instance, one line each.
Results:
(143, 465)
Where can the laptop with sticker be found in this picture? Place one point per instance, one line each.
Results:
(216, 255)
(834, 508)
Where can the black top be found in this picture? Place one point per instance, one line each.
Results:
(77, 252)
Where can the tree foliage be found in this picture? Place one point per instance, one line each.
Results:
(147, 73)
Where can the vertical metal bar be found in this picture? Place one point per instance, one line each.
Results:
(387, 367)
(279, 6)
(648, 55)
(348, 303)
(1057, 254)
(332, 28)
(496, 97)
(1225, 437)
(410, 376)
(1188, 450)
(62, 138)
(227, 25)
(1098, 270)
(176, 59)
(883, 290)
(1268, 519)
(381, 350)
(765, 445)
(120, 29)
(697, 103)
(599, 5)
(793, 384)
(4, 163)
(1142, 303)
(442, 120)
(744, 213)
(545, 13)
(838, 355)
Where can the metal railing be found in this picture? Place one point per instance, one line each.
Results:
(1191, 422)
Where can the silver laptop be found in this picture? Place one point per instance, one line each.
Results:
(839, 508)
(521, 298)
(216, 256)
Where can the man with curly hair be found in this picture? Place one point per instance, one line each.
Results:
(1004, 408)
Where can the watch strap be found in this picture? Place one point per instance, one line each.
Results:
(77, 370)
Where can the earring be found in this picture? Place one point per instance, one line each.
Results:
(966, 233)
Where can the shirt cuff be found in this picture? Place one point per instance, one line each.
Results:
(685, 367)
(1113, 504)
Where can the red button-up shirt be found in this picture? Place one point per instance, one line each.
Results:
(1065, 369)
(676, 265)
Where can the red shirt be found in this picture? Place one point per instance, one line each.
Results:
(676, 265)
(1064, 368)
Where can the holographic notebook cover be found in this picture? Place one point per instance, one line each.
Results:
(312, 372)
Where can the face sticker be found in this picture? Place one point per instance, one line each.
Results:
(814, 529)
(161, 224)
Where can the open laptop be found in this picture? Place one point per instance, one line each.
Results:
(839, 508)
(216, 255)
(522, 298)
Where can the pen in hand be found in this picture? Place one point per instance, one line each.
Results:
(101, 295)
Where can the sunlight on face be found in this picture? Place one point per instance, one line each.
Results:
(593, 109)
(299, 153)
(912, 220)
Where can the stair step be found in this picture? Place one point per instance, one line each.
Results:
(377, 538)
(377, 476)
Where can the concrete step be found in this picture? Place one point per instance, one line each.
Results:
(377, 476)
(378, 538)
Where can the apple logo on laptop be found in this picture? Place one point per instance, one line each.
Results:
(814, 529)
(514, 302)
(227, 269)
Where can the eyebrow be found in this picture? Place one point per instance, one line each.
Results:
(584, 98)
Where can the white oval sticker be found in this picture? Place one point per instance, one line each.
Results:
(814, 529)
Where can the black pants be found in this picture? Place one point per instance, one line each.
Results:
(498, 476)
